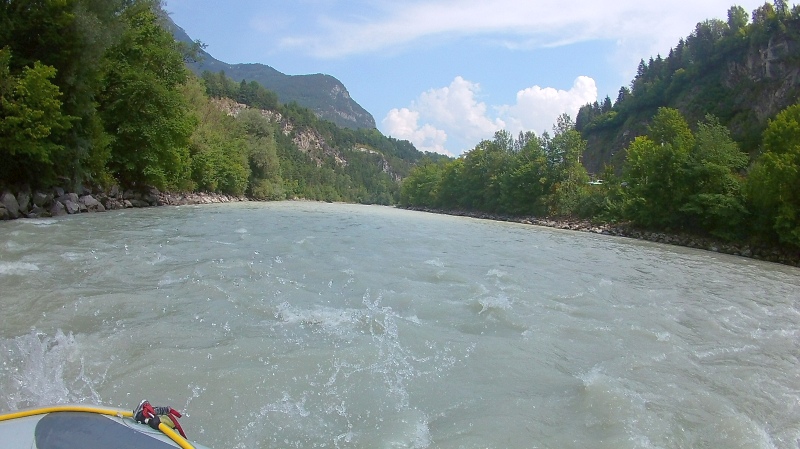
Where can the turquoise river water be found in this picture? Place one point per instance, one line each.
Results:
(307, 325)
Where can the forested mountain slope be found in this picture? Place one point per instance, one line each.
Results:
(323, 94)
(744, 71)
(95, 95)
(705, 141)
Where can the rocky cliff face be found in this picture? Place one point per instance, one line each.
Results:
(772, 67)
(750, 84)
(308, 140)
(323, 94)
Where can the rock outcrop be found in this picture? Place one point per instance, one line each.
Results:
(58, 202)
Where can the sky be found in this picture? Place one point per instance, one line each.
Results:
(445, 74)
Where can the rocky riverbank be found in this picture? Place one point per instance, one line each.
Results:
(57, 202)
(770, 254)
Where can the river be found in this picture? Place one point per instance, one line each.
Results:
(311, 325)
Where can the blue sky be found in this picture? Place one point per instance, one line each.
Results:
(445, 74)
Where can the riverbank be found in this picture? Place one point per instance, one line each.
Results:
(769, 254)
(41, 204)
(57, 202)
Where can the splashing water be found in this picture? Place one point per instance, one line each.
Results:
(313, 325)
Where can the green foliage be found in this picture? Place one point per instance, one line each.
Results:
(676, 179)
(526, 175)
(708, 72)
(567, 176)
(30, 115)
(715, 202)
(96, 91)
(773, 182)
(142, 103)
(218, 147)
(654, 171)
(421, 187)
(218, 85)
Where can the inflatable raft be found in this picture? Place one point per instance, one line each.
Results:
(86, 427)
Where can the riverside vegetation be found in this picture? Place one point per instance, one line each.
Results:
(97, 100)
(96, 93)
(697, 153)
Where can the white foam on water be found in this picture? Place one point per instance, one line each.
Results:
(39, 221)
(724, 351)
(157, 259)
(435, 263)
(496, 273)
(241, 231)
(329, 319)
(410, 429)
(17, 268)
(42, 370)
(494, 303)
(71, 256)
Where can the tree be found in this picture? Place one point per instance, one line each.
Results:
(566, 176)
(715, 203)
(484, 171)
(527, 181)
(623, 94)
(781, 8)
(606, 104)
(71, 36)
(737, 19)
(421, 186)
(774, 182)
(30, 114)
(265, 169)
(654, 171)
(142, 105)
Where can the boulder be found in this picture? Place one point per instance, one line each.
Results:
(4, 215)
(114, 192)
(40, 199)
(9, 201)
(24, 200)
(71, 207)
(69, 197)
(58, 209)
(91, 203)
(38, 212)
(58, 192)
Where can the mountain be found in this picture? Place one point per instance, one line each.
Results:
(744, 73)
(323, 94)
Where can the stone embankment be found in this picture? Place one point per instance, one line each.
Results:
(39, 204)
(57, 202)
(770, 254)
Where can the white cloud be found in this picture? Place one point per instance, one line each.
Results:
(454, 111)
(447, 111)
(403, 124)
(455, 108)
(538, 107)
(520, 23)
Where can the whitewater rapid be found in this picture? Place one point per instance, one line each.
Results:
(326, 325)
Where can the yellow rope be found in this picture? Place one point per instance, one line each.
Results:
(174, 436)
(67, 408)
